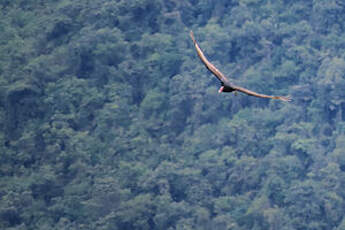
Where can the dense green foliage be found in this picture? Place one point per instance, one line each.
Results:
(108, 120)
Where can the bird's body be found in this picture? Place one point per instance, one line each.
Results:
(227, 86)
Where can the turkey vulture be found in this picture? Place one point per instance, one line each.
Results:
(227, 86)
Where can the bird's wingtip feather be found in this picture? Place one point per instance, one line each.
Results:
(192, 36)
(287, 98)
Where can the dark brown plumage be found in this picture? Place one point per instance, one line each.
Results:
(227, 86)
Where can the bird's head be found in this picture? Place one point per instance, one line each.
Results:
(226, 87)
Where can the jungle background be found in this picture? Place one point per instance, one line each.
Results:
(108, 119)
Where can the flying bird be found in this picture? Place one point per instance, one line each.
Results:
(226, 85)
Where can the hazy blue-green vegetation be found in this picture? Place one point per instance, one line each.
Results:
(108, 119)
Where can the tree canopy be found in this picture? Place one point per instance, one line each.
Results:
(108, 119)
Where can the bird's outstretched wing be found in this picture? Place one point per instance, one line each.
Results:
(252, 93)
(208, 64)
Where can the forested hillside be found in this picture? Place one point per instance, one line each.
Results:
(108, 119)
